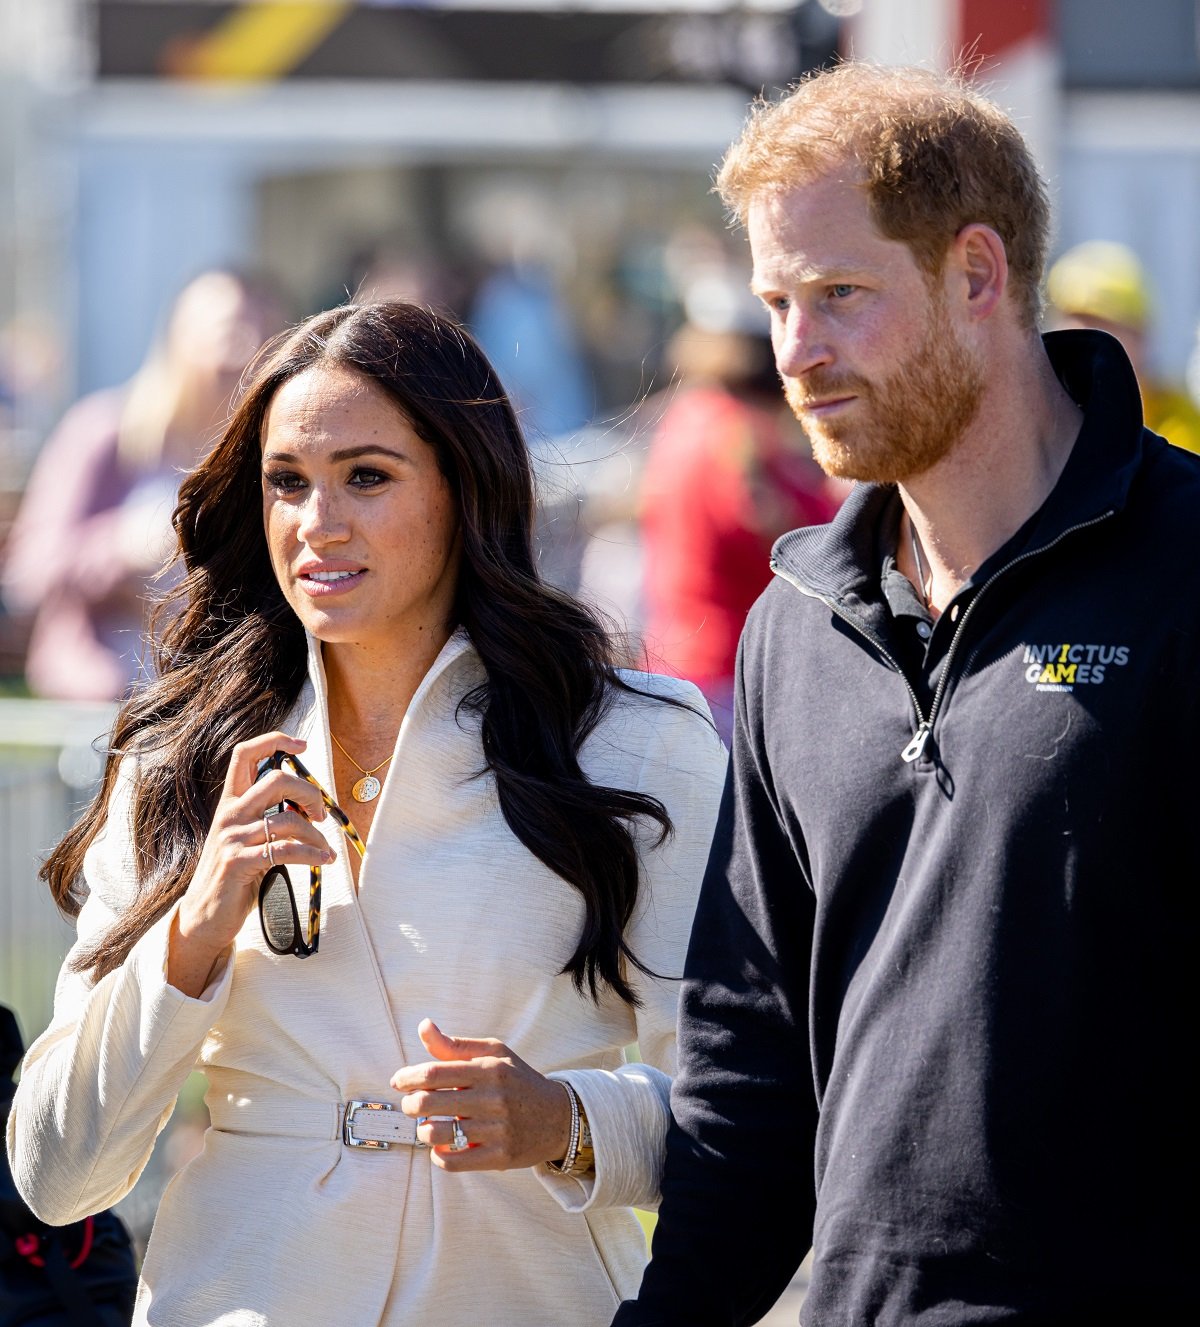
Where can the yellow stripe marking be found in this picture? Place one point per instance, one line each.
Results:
(262, 40)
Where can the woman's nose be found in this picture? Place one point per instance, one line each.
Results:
(322, 519)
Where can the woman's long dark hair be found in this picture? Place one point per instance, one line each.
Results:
(231, 659)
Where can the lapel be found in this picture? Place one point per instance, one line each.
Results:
(348, 941)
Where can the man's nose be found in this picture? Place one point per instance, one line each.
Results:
(800, 344)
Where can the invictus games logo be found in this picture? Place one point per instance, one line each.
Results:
(1064, 667)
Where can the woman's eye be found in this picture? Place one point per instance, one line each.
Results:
(361, 477)
(284, 481)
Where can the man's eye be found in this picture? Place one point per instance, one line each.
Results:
(842, 289)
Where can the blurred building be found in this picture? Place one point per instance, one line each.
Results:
(329, 142)
(1108, 93)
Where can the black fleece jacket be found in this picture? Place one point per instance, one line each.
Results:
(938, 1015)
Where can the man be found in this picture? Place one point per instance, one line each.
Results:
(1103, 285)
(937, 1014)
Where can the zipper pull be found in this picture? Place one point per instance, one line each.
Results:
(913, 750)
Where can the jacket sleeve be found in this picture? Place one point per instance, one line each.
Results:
(628, 1108)
(100, 1083)
(738, 1189)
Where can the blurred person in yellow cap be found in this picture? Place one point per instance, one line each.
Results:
(1102, 285)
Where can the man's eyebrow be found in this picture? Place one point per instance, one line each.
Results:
(342, 453)
(828, 274)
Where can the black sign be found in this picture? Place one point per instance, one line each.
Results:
(141, 38)
(1118, 44)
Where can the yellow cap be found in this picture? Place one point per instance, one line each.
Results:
(1100, 279)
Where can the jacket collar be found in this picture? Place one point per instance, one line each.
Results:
(458, 644)
(312, 708)
(842, 559)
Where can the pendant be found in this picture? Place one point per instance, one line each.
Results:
(366, 789)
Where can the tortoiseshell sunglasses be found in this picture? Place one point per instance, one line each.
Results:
(277, 912)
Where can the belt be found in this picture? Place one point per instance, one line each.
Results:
(374, 1126)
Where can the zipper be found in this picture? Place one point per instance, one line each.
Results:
(851, 621)
(916, 745)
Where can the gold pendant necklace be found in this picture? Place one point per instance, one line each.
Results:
(368, 787)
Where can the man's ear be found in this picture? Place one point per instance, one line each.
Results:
(977, 256)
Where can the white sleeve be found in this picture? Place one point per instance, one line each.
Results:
(99, 1084)
(628, 1108)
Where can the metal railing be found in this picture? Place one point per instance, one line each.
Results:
(50, 764)
(48, 770)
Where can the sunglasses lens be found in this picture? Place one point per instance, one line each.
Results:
(278, 912)
(276, 903)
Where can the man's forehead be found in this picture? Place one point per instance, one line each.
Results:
(841, 185)
(824, 223)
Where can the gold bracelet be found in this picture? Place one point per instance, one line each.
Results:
(585, 1154)
(580, 1158)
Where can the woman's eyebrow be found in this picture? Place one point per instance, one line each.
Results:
(342, 453)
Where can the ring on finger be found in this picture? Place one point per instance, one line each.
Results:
(457, 1131)
(269, 846)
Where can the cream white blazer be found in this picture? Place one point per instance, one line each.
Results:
(277, 1221)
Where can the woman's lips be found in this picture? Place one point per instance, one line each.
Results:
(322, 585)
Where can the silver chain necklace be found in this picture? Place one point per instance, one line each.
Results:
(924, 582)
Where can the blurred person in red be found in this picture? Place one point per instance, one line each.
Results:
(729, 470)
(94, 526)
(1102, 285)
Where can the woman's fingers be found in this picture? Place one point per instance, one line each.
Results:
(443, 1047)
(290, 852)
(424, 1104)
(447, 1076)
(244, 842)
(438, 1130)
(246, 757)
(496, 1134)
(286, 837)
(283, 827)
(280, 786)
(512, 1115)
(491, 1145)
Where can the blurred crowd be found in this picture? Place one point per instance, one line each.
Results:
(661, 509)
(93, 536)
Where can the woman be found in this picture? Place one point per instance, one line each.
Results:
(94, 526)
(536, 826)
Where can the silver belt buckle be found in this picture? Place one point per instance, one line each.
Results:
(352, 1109)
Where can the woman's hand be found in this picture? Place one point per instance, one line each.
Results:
(512, 1115)
(235, 857)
